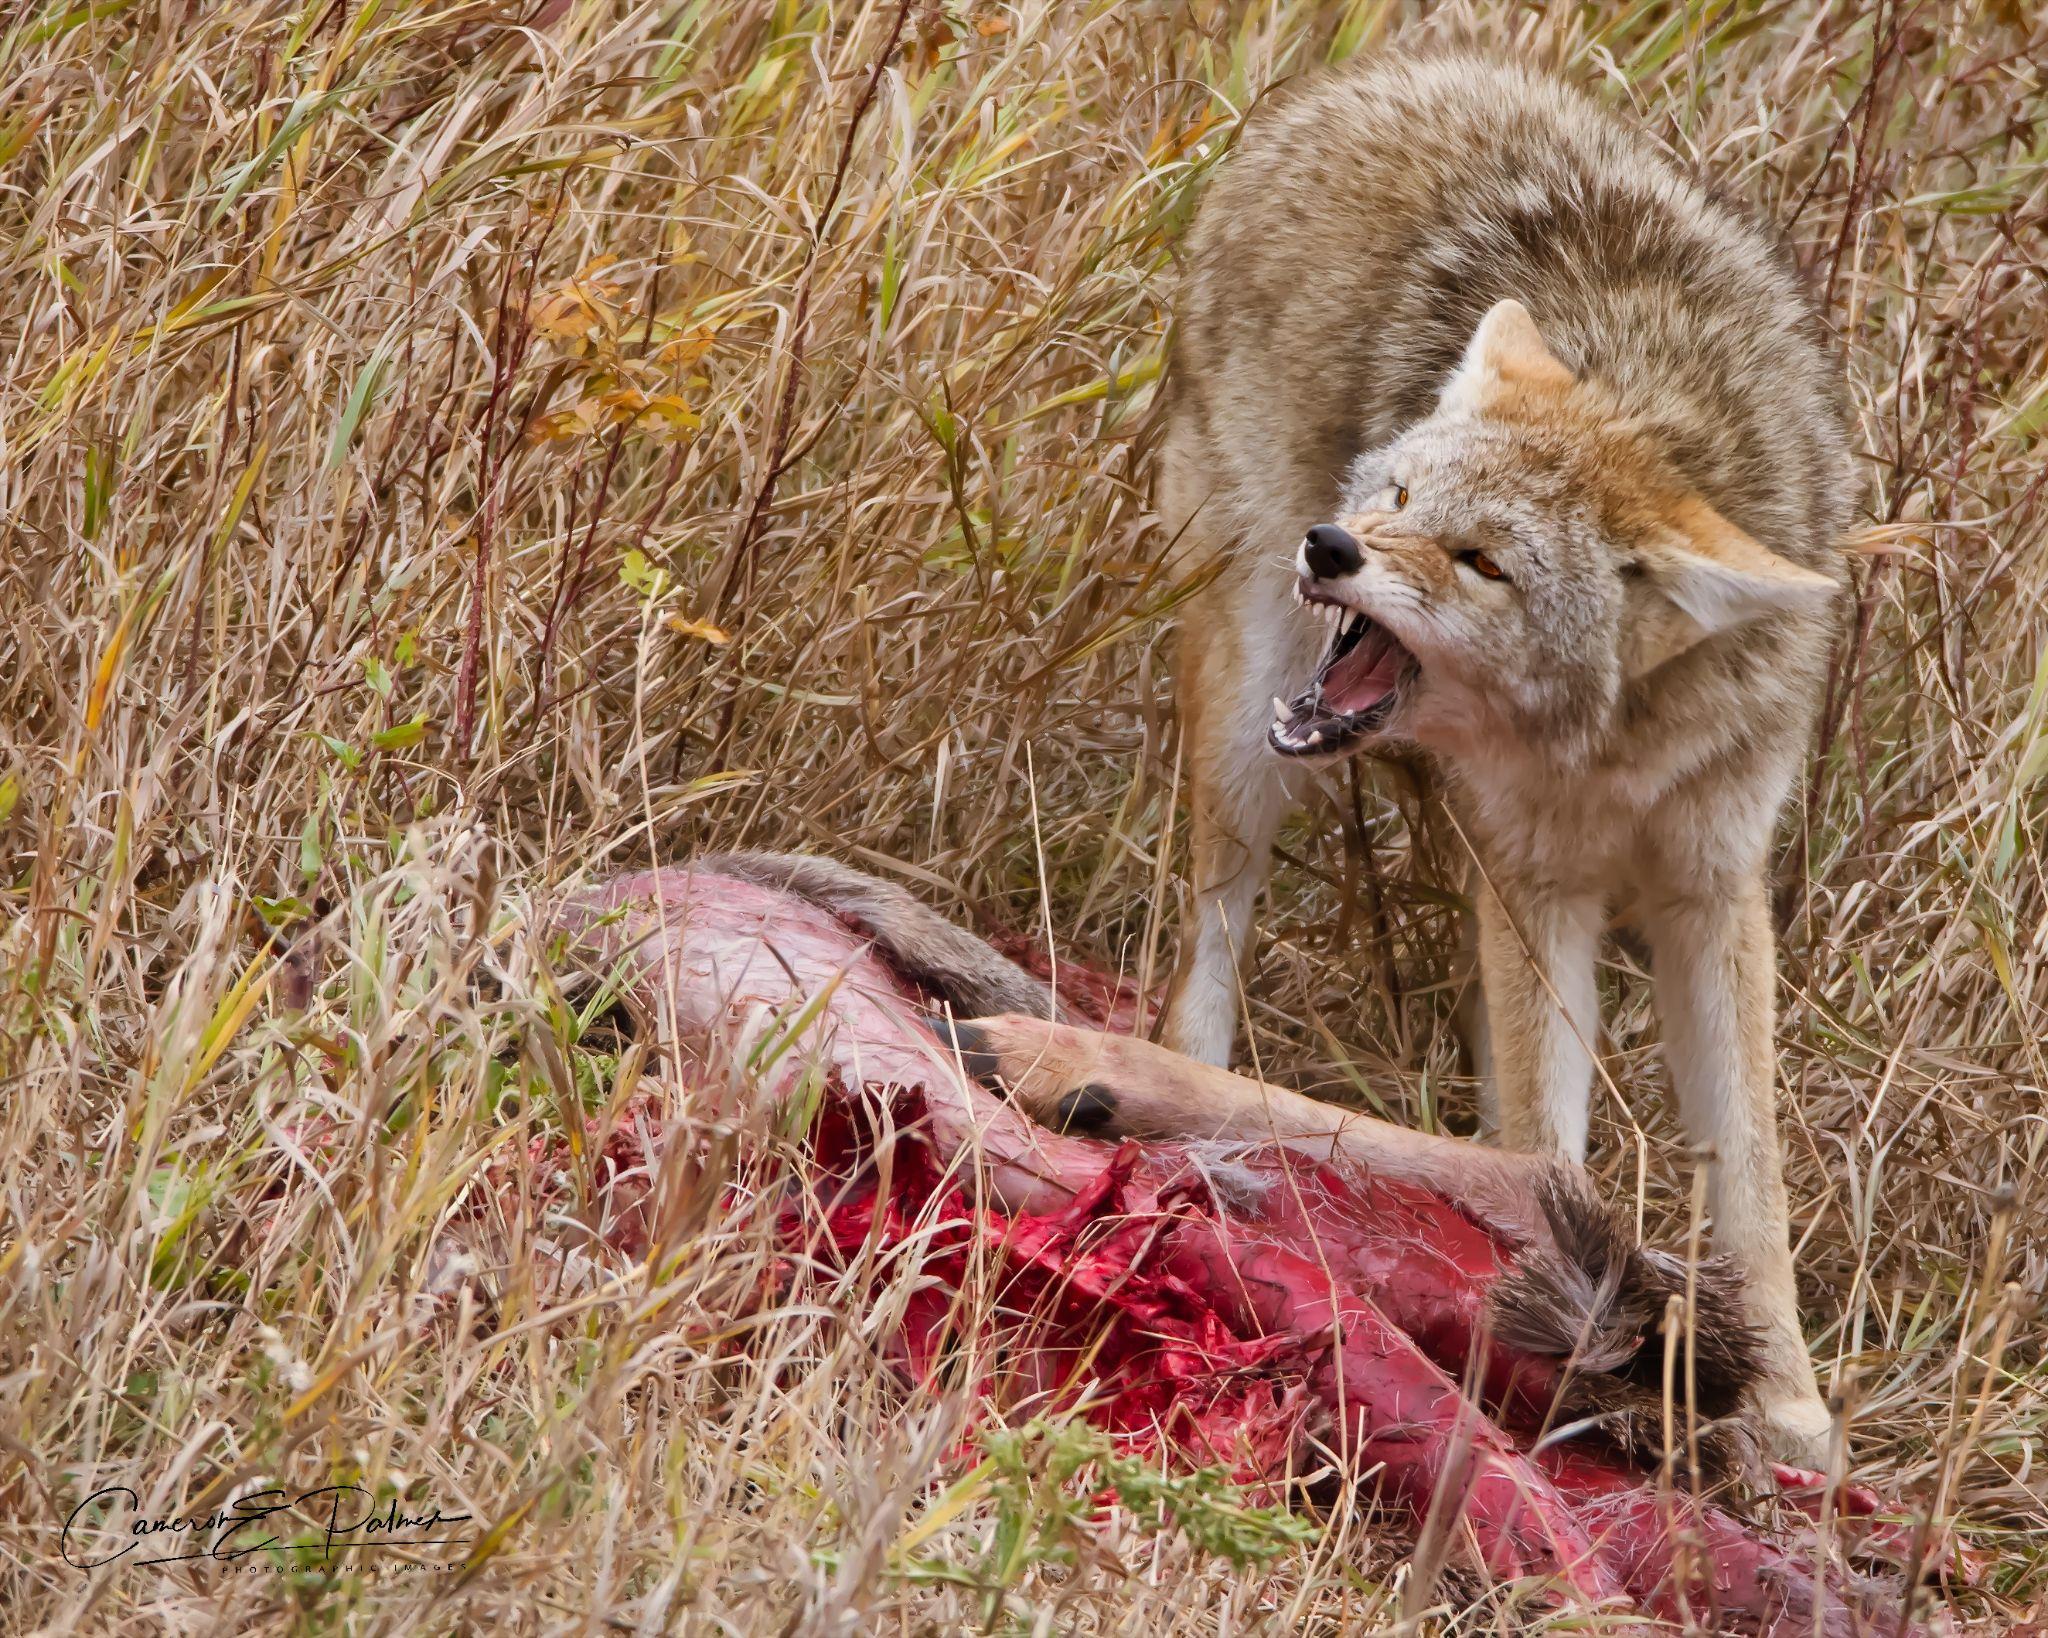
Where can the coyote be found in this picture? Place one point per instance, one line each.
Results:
(1570, 451)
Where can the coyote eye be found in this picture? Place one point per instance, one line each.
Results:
(1400, 493)
(1482, 565)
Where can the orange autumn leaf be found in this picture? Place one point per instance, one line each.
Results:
(672, 415)
(703, 630)
(681, 351)
(554, 427)
(1171, 144)
(563, 311)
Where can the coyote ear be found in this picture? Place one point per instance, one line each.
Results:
(1506, 350)
(1721, 576)
(1709, 577)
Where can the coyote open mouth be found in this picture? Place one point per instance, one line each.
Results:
(1354, 691)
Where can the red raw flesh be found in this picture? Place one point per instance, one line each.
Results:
(1699, 1564)
(1397, 1410)
(1224, 1323)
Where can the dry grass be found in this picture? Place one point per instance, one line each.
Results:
(414, 501)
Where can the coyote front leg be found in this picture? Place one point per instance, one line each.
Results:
(1536, 963)
(1238, 794)
(1712, 956)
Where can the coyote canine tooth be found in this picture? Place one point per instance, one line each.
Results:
(1279, 709)
(1315, 736)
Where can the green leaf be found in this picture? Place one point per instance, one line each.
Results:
(892, 277)
(369, 381)
(303, 112)
(77, 16)
(101, 476)
(343, 752)
(637, 573)
(401, 736)
(310, 855)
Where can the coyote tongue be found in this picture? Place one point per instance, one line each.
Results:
(1362, 674)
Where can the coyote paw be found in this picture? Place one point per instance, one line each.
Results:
(1795, 1428)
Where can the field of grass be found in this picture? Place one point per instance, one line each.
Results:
(454, 450)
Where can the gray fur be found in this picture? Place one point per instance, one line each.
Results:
(920, 943)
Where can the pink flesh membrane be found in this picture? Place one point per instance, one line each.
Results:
(1365, 676)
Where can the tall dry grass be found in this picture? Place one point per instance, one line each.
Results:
(451, 449)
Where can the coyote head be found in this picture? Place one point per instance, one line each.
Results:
(1514, 564)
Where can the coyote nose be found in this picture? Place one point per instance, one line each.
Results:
(1328, 552)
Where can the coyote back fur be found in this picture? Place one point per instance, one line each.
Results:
(1570, 442)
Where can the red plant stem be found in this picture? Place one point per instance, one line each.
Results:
(508, 354)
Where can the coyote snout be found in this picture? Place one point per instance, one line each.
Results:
(1329, 553)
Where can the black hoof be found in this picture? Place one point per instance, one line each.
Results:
(1088, 1108)
(970, 1043)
